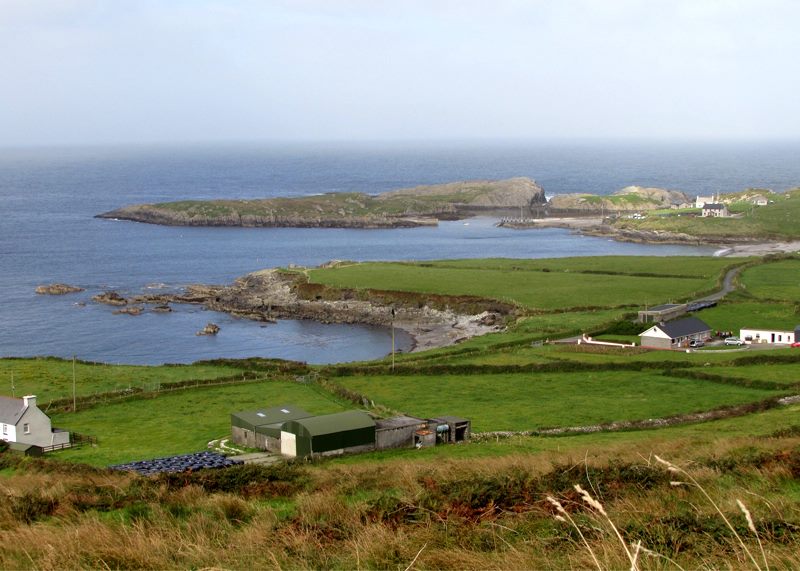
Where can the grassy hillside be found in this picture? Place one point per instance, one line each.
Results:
(481, 504)
(776, 221)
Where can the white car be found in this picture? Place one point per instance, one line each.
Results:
(733, 341)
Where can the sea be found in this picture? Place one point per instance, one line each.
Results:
(48, 233)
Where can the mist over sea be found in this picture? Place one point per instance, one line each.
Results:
(48, 197)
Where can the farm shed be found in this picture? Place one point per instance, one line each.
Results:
(351, 431)
(450, 429)
(262, 428)
(22, 421)
(750, 336)
(662, 312)
(675, 334)
(25, 449)
(398, 432)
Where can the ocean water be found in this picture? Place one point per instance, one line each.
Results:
(48, 233)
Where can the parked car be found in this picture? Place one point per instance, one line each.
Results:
(796, 344)
(733, 341)
(697, 343)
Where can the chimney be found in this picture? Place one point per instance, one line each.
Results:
(29, 401)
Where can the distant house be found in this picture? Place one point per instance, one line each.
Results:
(22, 422)
(675, 334)
(715, 210)
(701, 201)
(759, 200)
(750, 336)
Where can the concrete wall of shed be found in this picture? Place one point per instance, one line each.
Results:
(401, 437)
(348, 450)
(243, 437)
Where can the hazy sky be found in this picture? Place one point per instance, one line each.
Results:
(116, 71)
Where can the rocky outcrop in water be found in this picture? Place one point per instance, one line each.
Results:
(209, 329)
(57, 289)
(110, 298)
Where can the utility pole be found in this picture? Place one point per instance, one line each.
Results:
(13, 388)
(74, 405)
(393, 339)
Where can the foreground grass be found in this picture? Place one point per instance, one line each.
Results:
(426, 507)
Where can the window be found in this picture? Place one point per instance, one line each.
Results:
(5, 428)
(26, 428)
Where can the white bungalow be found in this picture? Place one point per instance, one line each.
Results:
(751, 336)
(21, 421)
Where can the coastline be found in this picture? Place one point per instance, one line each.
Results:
(593, 226)
(271, 294)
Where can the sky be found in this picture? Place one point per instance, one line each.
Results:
(151, 71)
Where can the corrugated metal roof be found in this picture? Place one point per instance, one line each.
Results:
(274, 415)
(339, 422)
(684, 327)
(11, 410)
(397, 422)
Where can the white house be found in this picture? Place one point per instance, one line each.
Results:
(701, 201)
(750, 336)
(714, 210)
(675, 334)
(21, 421)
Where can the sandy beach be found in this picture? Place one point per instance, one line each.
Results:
(761, 249)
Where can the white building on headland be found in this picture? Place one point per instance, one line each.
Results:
(701, 201)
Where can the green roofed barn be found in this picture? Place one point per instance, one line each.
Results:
(351, 431)
(262, 428)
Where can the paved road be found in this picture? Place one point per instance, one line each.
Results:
(727, 285)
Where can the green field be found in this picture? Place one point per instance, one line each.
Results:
(735, 315)
(630, 284)
(179, 422)
(50, 378)
(775, 281)
(788, 374)
(530, 401)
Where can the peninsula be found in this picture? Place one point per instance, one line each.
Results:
(409, 207)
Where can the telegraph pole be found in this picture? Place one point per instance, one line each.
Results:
(74, 405)
(393, 339)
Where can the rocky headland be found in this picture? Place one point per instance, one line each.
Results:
(410, 207)
(267, 295)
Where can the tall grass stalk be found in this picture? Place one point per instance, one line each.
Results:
(565, 517)
(678, 470)
(598, 507)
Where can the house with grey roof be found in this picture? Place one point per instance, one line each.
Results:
(715, 210)
(675, 334)
(21, 421)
